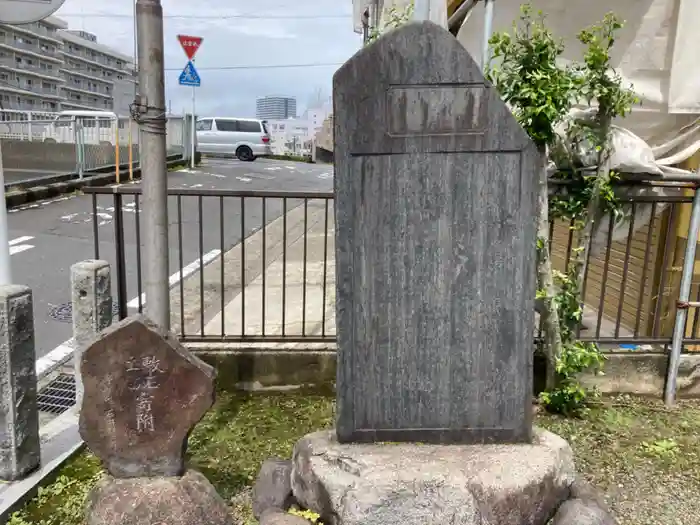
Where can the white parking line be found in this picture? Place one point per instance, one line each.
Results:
(175, 278)
(16, 247)
(63, 352)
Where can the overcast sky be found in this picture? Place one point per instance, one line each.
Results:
(261, 34)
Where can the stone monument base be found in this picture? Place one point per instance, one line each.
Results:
(414, 484)
(186, 500)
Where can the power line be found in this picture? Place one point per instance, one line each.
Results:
(214, 17)
(265, 66)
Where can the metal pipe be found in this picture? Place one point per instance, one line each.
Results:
(455, 21)
(149, 22)
(5, 266)
(683, 296)
(421, 10)
(488, 29)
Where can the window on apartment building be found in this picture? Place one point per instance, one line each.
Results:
(120, 77)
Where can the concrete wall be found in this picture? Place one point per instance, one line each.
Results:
(58, 158)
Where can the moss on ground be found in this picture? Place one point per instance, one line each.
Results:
(228, 446)
(645, 458)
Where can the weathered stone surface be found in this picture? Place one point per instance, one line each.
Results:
(19, 416)
(186, 500)
(144, 392)
(435, 187)
(277, 517)
(408, 484)
(583, 490)
(582, 512)
(91, 312)
(273, 488)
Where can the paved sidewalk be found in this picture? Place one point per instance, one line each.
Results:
(276, 302)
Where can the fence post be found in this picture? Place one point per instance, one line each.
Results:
(91, 296)
(20, 448)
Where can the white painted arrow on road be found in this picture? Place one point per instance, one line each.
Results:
(17, 247)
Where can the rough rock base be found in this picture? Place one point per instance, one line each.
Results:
(413, 484)
(186, 500)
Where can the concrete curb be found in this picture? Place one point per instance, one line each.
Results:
(17, 195)
(60, 441)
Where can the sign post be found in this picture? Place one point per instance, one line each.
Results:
(190, 77)
(17, 12)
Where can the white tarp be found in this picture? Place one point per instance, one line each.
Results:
(656, 52)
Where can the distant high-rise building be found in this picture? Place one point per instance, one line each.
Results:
(276, 108)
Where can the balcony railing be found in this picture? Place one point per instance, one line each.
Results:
(31, 48)
(82, 55)
(36, 68)
(33, 89)
(83, 72)
(85, 89)
(36, 30)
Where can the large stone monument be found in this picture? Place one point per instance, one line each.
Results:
(143, 394)
(435, 187)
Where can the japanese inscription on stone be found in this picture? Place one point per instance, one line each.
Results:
(435, 187)
(144, 392)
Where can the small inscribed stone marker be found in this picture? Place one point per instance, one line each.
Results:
(144, 392)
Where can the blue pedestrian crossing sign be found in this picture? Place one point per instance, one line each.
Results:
(189, 76)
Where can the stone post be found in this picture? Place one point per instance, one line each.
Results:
(19, 415)
(91, 310)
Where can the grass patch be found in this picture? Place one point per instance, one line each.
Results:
(645, 458)
(228, 446)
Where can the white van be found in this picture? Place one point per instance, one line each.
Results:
(245, 138)
(94, 127)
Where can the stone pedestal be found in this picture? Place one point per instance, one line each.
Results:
(414, 484)
(185, 500)
(20, 449)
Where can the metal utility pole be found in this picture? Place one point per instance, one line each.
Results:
(17, 12)
(5, 266)
(152, 120)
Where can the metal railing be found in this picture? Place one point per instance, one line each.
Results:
(246, 266)
(259, 266)
(73, 144)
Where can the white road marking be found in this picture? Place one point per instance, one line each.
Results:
(325, 175)
(273, 168)
(175, 278)
(16, 247)
(19, 240)
(63, 352)
(244, 179)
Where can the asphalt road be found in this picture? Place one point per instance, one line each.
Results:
(47, 238)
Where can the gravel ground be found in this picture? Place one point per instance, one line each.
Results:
(646, 459)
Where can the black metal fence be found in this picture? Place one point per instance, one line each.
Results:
(258, 266)
(223, 244)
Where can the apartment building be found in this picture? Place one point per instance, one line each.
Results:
(95, 76)
(30, 64)
(45, 67)
(277, 108)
